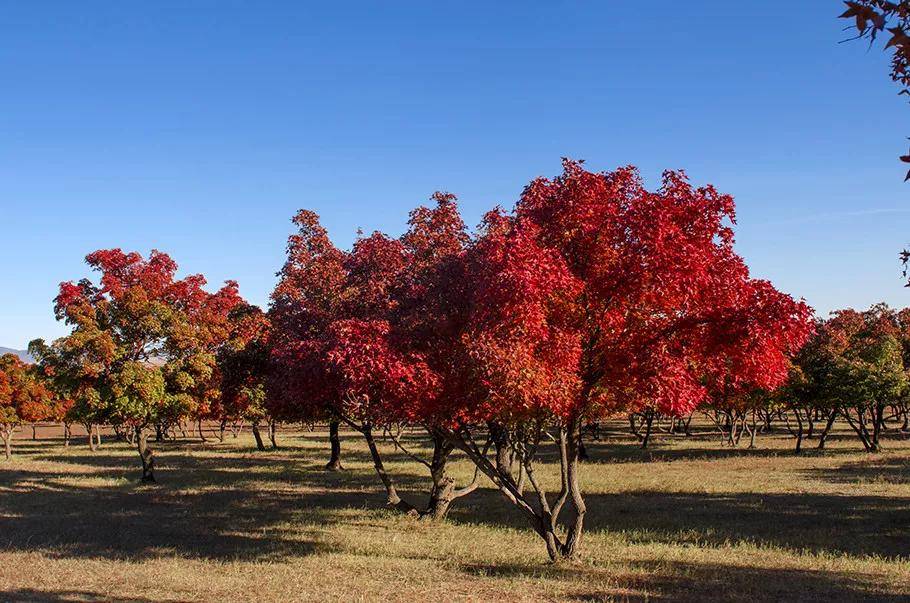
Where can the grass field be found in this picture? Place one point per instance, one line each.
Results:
(686, 520)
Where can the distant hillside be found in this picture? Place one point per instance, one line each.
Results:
(20, 353)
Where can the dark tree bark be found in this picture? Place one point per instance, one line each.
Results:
(221, 429)
(257, 435)
(392, 497)
(832, 416)
(543, 515)
(334, 463)
(649, 420)
(66, 434)
(145, 455)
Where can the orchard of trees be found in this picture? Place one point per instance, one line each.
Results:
(593, 297)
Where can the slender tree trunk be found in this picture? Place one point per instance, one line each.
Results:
(878, 418)
(752, 431)
(8, 441)
(832, 416)
(199, 427)
(257, 435)
(649, 420)
(582, 451)
(90, 430)
(273, 428)
(573, 538)
(145, 455)
(799, 433)
(392, 497)
(97, 429)
(221, 429)
(34, 432)
(334, 463)
(66, 435)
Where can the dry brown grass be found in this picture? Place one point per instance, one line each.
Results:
(687, 520)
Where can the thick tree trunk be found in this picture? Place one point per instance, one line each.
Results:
(159, 433)
(145, 455)
(334, 463)
(500, 437)
(443, 492)
(257, 435)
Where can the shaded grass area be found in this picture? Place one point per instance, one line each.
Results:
(686, 520)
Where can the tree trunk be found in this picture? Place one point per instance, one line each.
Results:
(273, 428)
(221, 429)
(500, 437)
(832, 416)
(257, 435)
(66, 435)
(649, 420)
(97, 429)
(799, 433)
(199, 427)
(334, 463)
(582, 451)
(145, 455)
(878, 418)
(392, 497)
(443, 492)
(34, 432)
(573, 539)
(752, 431)
(159, 433)
(90, 430)
(8, 441)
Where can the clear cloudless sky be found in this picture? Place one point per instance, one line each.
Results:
(199, 128)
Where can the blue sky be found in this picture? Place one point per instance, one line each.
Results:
(199, 128)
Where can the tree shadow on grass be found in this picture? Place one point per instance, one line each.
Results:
(220, 507)
(874, 469)
(854, 525)
(681, 581)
